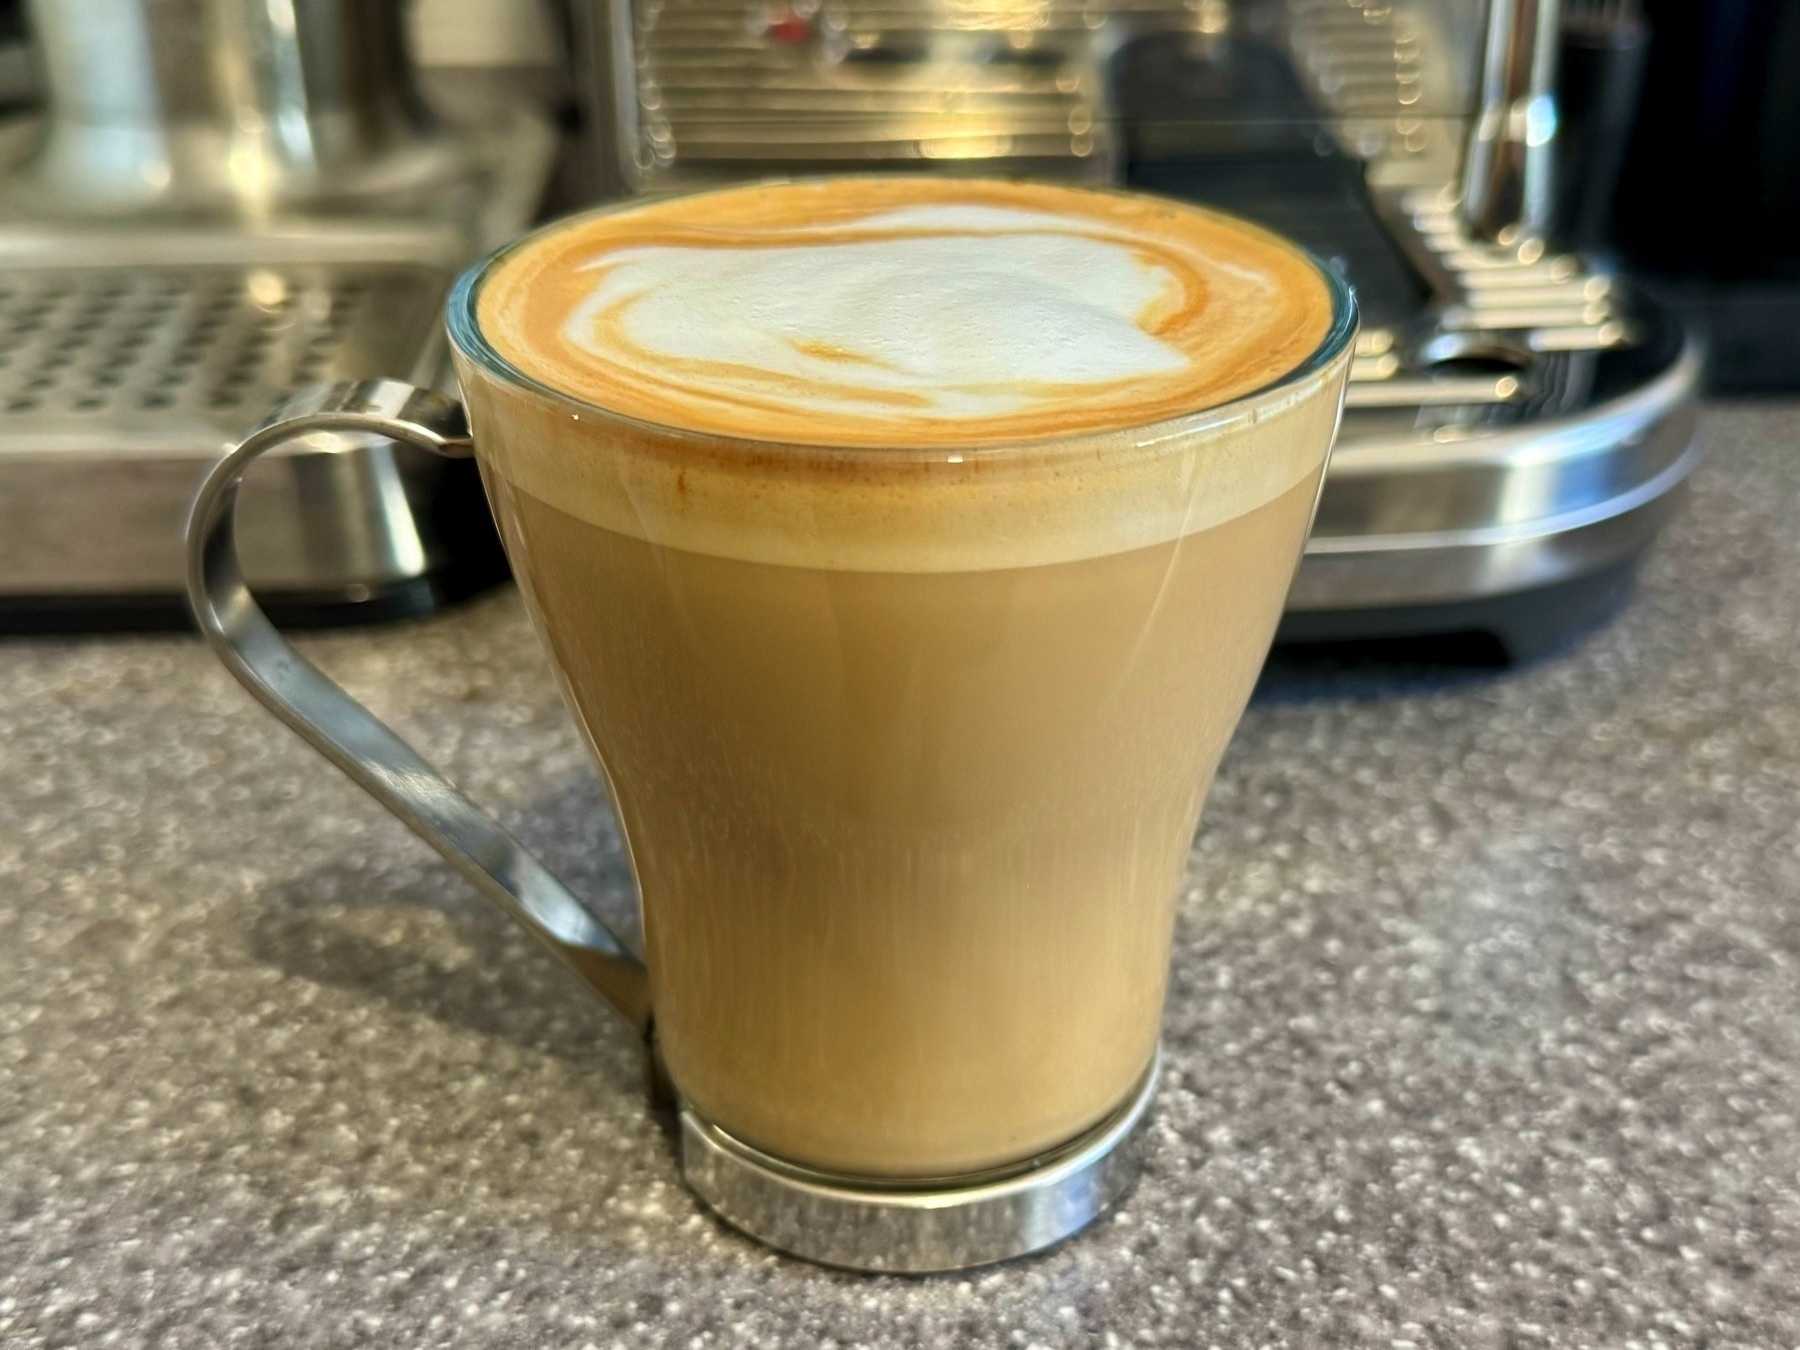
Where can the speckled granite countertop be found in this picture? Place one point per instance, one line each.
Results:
(1484, 1030)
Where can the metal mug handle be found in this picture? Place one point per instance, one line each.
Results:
(348, 734)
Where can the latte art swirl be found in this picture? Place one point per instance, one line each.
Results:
(846, 327)
(918, 312)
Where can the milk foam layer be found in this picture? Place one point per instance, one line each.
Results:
(948, 312)
(911, 311)
(692, 467)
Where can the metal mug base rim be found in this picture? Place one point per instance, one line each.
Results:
(880, 1226)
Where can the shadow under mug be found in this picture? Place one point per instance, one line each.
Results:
(857, 1221)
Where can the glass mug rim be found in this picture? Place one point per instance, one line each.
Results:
(463, 324)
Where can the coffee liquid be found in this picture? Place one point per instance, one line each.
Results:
(908, 711)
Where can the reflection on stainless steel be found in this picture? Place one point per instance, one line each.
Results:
(859, 1225)
(133, 350)
(1006, 85)
(1532, 423)
(118, 386)
(198, 105)
(1497, 287)
(1508, 165)
(604, 52)
(1420, 144)
(1417, 519)
(1380, 391)
(862, 1224)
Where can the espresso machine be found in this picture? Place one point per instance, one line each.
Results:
(223, 200)
(1520, 419)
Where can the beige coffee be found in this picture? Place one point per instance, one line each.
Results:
(907, 701)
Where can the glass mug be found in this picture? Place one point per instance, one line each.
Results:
(907, 837)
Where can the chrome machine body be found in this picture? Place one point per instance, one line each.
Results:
(1514, 442)
(184, 105)
(224, 200)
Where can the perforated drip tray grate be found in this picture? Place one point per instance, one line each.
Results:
(152, 358)
(134, 352)
(120, 385)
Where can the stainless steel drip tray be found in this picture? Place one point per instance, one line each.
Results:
(99, 358)
(118, 385)
(1525, 531)
(134, 352)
